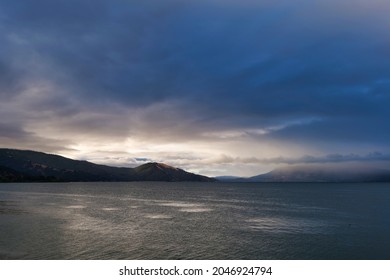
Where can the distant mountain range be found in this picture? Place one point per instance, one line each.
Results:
(31, 166)
(318, 174)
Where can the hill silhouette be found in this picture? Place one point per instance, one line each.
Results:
(30, 166)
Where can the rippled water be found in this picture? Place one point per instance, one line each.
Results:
(151, 220)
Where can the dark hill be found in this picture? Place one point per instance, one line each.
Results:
(26, 166)
(161, 172)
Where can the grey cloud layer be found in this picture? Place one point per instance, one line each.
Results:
(181, 70)
(330, 158)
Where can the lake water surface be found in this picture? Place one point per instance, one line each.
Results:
(154, 220)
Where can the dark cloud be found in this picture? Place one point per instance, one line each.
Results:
(341, 131)
(316, 74)
(12, 136)
(11, 131)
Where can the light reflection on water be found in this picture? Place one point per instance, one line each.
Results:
(194, 221)
(289, 225)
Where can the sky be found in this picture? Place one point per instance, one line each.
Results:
(216, 87)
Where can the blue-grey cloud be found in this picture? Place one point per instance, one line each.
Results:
(142, 159)
(11, 130)
(315, 74)
(329, 158)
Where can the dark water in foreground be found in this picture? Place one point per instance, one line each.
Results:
(194, 221)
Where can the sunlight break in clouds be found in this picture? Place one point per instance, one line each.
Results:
(216, 87)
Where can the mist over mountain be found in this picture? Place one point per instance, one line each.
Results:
(31, 166)
(27, 166)
(322, 173)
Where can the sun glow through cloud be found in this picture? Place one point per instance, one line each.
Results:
(216, 87)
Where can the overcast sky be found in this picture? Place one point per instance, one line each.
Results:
(219, 87)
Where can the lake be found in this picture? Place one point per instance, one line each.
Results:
(158, 220)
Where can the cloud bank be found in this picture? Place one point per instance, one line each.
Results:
(187, 82)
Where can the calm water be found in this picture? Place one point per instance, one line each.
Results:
(194, 221)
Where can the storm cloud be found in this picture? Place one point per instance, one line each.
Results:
(188, 82)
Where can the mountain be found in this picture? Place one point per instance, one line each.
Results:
(323, 174)
(27, 166)
(161, 172)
